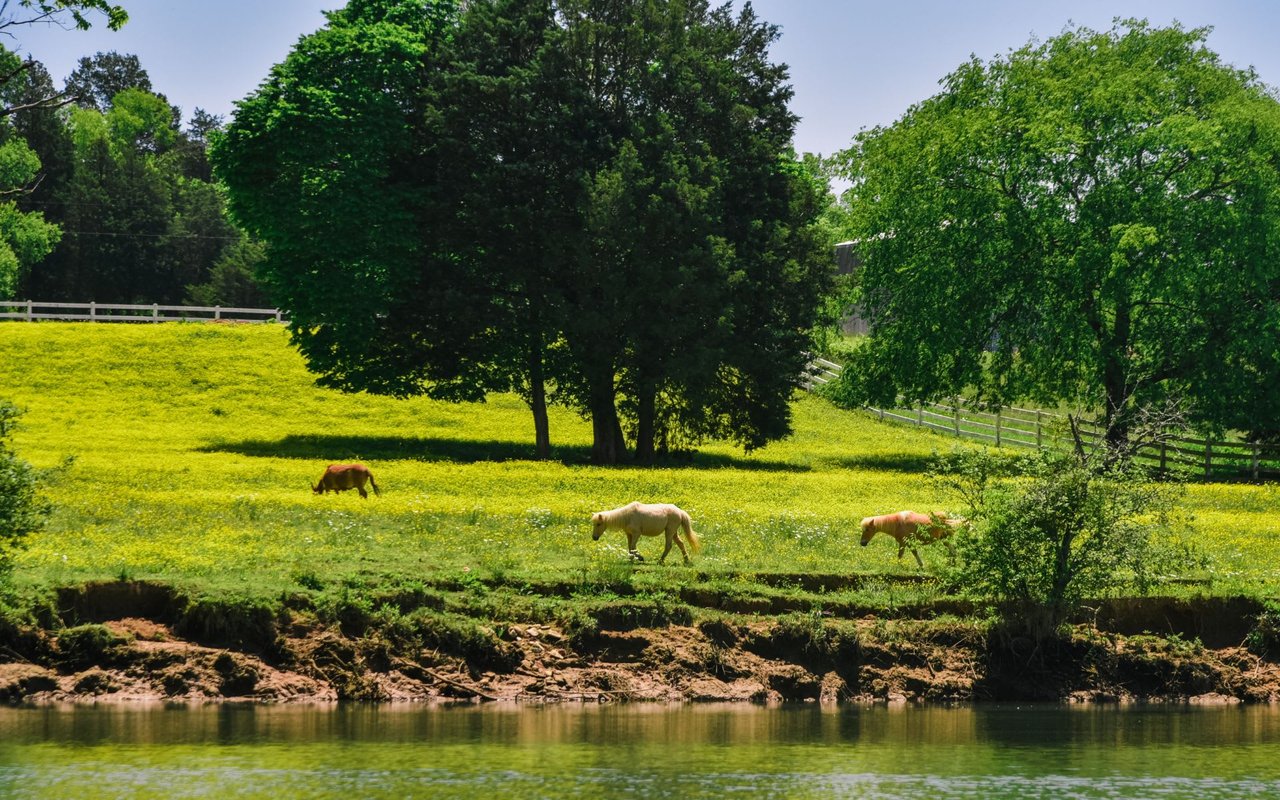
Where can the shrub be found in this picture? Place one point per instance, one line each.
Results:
(1068, 531)
(87, 646)
(1264, 639)
(22, 510)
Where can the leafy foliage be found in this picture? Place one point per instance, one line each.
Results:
(25, 236)
(23, 510)
(1092, 219)
(591, 203)
(1065, 531)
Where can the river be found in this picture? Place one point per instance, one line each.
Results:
(639, 751)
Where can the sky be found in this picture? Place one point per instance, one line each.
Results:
(854, 63)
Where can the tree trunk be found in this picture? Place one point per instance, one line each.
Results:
(538, 400)
(1117, 412)
(607, 444)
(646, 411)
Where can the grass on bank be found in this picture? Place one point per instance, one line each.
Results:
(195, 445)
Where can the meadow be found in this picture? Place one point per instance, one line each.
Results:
(192, 448)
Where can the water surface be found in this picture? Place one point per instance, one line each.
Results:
(639, 751)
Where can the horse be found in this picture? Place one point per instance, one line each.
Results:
(647, 519)
(909, 526)
(340, 477)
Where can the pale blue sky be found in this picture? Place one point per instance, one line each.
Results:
(854, 64)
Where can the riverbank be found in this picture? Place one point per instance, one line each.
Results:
(146, 644)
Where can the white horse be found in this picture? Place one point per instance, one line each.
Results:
(647, 519)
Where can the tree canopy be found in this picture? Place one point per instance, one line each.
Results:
(589, 201)
(1092, 219)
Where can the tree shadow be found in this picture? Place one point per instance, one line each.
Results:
(887, 463)
(334, 449)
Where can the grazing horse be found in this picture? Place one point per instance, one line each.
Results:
(647, 519)
(909, 526)
(340, 477)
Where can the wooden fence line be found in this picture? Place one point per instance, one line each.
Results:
(1033, 428)
(32, 310)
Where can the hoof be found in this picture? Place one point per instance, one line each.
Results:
(635, 556)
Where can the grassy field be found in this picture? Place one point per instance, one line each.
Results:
(194, 447)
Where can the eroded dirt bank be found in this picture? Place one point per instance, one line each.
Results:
(143, 651)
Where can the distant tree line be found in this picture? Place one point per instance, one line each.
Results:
(120, 192)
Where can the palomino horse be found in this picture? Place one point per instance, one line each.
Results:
(647, 519)
(340, 477)
(908, 527)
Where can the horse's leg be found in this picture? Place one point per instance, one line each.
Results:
(667, 549)
(902, 548)
(360, 489)
(632, 539)
(680, 544)
(673, 535)
(916, 553)
(951, 549)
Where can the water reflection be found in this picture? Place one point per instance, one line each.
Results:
(639, 751)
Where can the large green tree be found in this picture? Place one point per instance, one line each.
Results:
(1093, 219)
(589, 200)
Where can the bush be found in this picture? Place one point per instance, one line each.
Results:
(22, 510)
(1067, 531)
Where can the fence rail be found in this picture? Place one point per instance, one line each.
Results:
(32, 310)
(1033, 428)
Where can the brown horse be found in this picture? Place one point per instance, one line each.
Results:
(908, 527)
(340, 477)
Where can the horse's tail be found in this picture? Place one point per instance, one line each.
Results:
(374, 484)
(687, 524)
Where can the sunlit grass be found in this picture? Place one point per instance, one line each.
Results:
(195, 446)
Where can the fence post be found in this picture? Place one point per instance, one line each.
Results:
(1257, 458)
(997, 427)
(29, 317)
(1208, 459)
(93, 311)
(920, 415)
(217, 312)
(957, 410)
(155, 312)
(1038, 442)
(1164, 450)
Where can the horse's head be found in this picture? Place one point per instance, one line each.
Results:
(318, 488)
(597, 526)
(868, 530)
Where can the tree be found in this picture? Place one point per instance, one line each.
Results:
(524, 194)
(233, 279)
(1093, 219)
(139, 227)
(97, 79)
(67, 13)
(25, 237)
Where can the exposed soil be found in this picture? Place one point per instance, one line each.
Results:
(125, 657)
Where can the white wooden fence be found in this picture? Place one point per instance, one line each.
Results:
(1020, 427)
(31, 310)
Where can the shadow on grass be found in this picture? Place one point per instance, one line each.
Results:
(408, 448)
(887, 463)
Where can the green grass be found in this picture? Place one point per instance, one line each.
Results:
(195, 446)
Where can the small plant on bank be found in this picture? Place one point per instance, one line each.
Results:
(1264, 638)
(1070, 529)
(22, 510)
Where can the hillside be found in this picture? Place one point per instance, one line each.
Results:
(187, 505)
